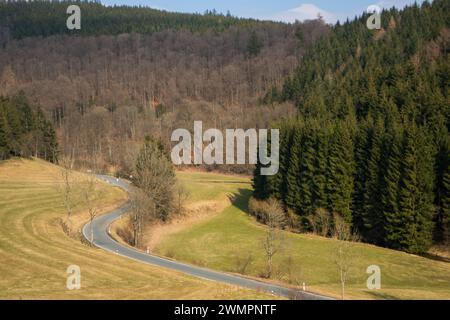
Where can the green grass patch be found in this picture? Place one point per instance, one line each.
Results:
(225, 240)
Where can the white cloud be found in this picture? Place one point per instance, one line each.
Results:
(305, 12)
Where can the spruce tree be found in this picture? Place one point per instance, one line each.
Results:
(410, 229)
(392, 147)
(445, 205)
(320, 168)
(254, 45)
(293, 173)
(340, 173)
(442, 191)
(362, 149)
(277, 184)
(307, 173)
(373, 219)
(259, 183)
(4, 150)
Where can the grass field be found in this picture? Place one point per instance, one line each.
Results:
(203, 186)
(35, 252)
(221, 241)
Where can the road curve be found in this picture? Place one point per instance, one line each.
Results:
(102, 240)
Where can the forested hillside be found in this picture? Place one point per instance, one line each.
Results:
(108, 86)
(45, 18)
(371, 141)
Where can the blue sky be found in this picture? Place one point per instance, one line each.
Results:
(280, 10)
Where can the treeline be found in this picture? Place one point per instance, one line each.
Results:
(383, 176)
(45, 18)
(371, 141)
(25, 132)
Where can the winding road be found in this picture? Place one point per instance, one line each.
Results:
(102, 239)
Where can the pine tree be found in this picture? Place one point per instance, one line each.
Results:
(320, 168)
(50, 142)
(373, 219)
(254, 45)
(392, 147)
(445, 205)
(4, 149)
(259, 182)
(340, 173)
(410, 229)
(293, 173)
(277, 184)
(306, 173)
(442, 191)
(362, 147)
(155, 176)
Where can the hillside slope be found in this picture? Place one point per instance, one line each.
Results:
(35, 252)
(225, 241)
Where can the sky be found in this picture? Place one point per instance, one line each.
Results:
(278, 10)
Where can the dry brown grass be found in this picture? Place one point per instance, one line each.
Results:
(35, 252)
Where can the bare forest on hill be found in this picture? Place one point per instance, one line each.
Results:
(105, 93)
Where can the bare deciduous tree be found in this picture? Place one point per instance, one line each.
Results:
(321, 222)
(272, 243)
(142, 210)
(90, 195)
(182, 194)
(344, 253)
(66, 186)
(243, 261)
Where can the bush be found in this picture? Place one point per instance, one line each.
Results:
(263, 209)
(321, 222)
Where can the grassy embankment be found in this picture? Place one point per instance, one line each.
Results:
(35, 252)
(222, 240)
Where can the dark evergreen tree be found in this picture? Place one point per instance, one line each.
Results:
(25, 132)
(340, 173)
(373, 218)
(410, 228)
(320, 169)
(277, 184)
(362, 148)
(307, 170)
(442, 189)
(4, 148)
(293, 173)
(254, 45)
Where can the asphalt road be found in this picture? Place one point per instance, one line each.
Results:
(102, 240)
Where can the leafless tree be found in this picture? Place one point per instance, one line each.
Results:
(344, 253)
(243, 261)
(293, 273)
(273, 240)
(182, 195)
(90, 195)
(142, 210)
(65, 186)
(321, 222)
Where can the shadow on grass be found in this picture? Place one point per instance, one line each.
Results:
(381, 295)
(240, 198)
(435, 257)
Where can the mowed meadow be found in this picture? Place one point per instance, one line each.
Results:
(35, 252)
(231, 239)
